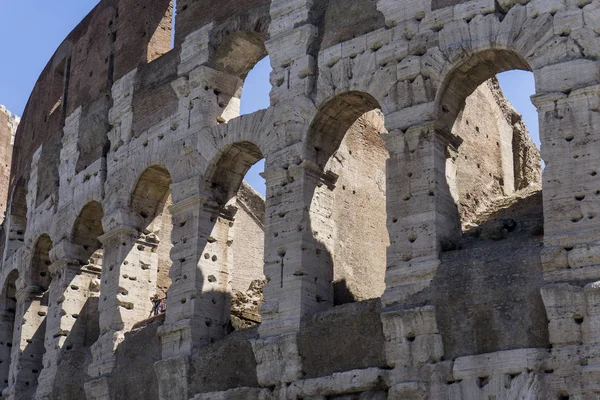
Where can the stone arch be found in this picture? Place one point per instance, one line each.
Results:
(465, 77)
(227, 172)
(149, 201)
(16, 223)
(510, 161)
(86, 232)
(344, 149)
(39, 274)
(498, 220)
(32, 309)
(8, 305)
(238, 44)
(238, 227)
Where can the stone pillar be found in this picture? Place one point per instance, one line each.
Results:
(298, 266)
(28, 343)
(199, 299)
(72, 286)
(7, 321)
(291, 35)
(128, 284)
(422, 216)
(569, 123)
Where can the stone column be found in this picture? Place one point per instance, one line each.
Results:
(298, 267)
(129, 275)
(7, 321)
(28, 342)
(199, 300)
(422, 216)
(569, 113)
(72, 286)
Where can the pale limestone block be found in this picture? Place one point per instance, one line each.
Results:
(411, 116)
(409, 68)
(591, 16)
(330, 56)
(278, 359)
(339, 383)
(567, 76)
(195, 49)
(408, 391)
(399, 11)
(584, 255)
(506, 5)
(285, 15)
(538, 33)
(455, 40)
(483, 30)
(412, 337)
(504, 362)
(436, 20)
(537, 7)
(510, 27)
(237, 394)
(468, 10)
(554, 258)
(568, 20)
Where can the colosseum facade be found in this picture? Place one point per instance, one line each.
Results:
(408, 246)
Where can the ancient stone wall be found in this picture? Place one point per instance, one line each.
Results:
(127, 184)
(8, 129)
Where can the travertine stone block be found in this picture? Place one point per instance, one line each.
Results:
(412, 337)
(278, 360)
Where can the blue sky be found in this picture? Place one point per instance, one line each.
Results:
(33, 29)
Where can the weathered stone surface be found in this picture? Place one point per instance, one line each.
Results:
(403, 249)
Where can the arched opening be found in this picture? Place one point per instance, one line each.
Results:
(255, 96)
(32, 311)
(497, 160)
(348, 207)
(240, 57)
(86, 284)
(8, 305)
(238, 52)
(76, 325)
(150, 202)
(16, 221)
(239, 233)
(494, 176)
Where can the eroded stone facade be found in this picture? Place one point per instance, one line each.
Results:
(404, 249)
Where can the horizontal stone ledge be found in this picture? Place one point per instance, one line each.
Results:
(591, 272)
(243, 393)
(503, 362)
(340, 383)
